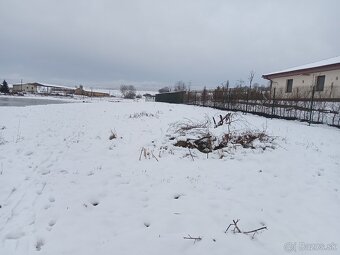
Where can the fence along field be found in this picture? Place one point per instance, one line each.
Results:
(307, 106)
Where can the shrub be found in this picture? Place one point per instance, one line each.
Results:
(128, 91)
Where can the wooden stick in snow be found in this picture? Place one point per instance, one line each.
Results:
(196, 239)
(191, 154)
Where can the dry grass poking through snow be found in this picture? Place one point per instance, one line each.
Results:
(138, 115)
(113, 135)
(2, 139)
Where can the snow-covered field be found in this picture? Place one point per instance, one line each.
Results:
(66, 188)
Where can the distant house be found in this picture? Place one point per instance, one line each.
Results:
(298, 82)
(81, 92)
(27, 87)
(40, 88)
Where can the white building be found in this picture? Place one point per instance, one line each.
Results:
(42, 88)
(298, 82)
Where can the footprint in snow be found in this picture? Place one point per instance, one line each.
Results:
(15, 235)
(93, 202)
(145, 199)
(51, 223)
(45, 172)
(29, 153)
(40, 243)
(177, 196)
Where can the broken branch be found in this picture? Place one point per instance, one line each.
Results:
(191, 154)
(255, 230)
(154, 155)
(140, 156)
(238, 230)
(196, 239)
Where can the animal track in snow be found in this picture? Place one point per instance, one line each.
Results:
(14, 235)
(40, 243)
(51, 223)
(28, 153)
(177, 196)
(145, 199)
(95, 203)
(45, 172)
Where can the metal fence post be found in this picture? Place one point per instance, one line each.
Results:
(223, 97)
(311, 106)
(228, 98)
(273, 105)
(247, 100)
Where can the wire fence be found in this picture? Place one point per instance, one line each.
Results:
(311, 109)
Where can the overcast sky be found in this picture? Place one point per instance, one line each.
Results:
(107, 42)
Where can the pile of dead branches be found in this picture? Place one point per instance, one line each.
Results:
(203, 144)
(189, 126)
(197, 135)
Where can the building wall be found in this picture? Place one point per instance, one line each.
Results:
(171, 97)
(17, 88)
(25, 88)
(302, 85)
(81, 91)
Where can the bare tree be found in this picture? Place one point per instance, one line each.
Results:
(128, 91)
(164, 90)
(251, 78)
(240, 83)
(180, 86)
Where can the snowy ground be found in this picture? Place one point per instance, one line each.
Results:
(66, 188)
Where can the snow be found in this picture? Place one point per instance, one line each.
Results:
(326, 62)
(66, 188)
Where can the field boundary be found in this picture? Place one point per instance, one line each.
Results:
(312, 110)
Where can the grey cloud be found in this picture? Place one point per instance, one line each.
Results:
(104, 42)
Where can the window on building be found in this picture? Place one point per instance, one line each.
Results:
(320, 83)
(289, 86)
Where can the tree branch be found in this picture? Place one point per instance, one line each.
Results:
(196, 239)
(238, 230)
